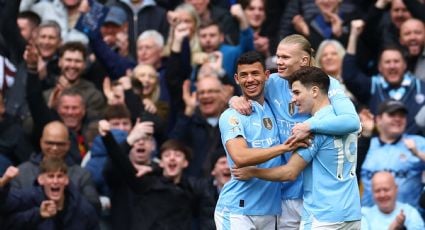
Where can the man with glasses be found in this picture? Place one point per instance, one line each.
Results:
(55, 143)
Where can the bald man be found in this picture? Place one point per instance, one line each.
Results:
(412, 37)
(55, 143)
(388, 213)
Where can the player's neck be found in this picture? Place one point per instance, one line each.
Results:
(319, 104)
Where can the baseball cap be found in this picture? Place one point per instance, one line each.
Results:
(116, 15)
(391, 106)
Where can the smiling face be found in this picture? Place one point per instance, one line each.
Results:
(72, 65)
(148, 76)
(48, 41)
(221, 171)
(208, 90)
(54, 184)
(55, 140)
(391, 125)
(384, 191)
(290, 58)
(302, 97)
(173, 162)
(330, 60)
(71, 110)
(412, 36)
(392, 66)
(252, 78)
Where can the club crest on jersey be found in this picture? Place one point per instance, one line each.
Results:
(267, 122)
(233, 121)
(291, 108)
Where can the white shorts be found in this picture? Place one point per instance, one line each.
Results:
(312, 223)
(291, 214)
(230, 221)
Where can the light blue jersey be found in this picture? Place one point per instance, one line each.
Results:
(397, 159)
(279, 95)
(331, 192)
(255, 196)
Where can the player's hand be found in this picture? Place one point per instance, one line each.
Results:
(291, 144)
(240, 104)
(48, 209)
(300, 131)
(245, 173)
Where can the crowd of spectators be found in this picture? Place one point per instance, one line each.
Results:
(128, 94)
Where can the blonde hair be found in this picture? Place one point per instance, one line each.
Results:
(303, 43)
(154, 96)
(195, 45)
(338, 46)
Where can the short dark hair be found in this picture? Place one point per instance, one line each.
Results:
(251, 57)
(176, 145)
(73, 46)
(30, 16)
(53, 164)
(311, 76)
(208, 23)
(117, 111)
(394, 47)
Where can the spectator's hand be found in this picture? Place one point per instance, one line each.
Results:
(61, 84)
(48, 209)
(300, 131)
(200, 58)
(411, 145)
(142, 169)
(227, 93)
(398, 222)
(237, 12)
(244, 173)
(261, 44)
(367, 121)
(84, 6)
(190, 99)
(104, 127)
(140, 130)
(173, 18)
(150, 106)
(181, 31)
(381, 4)
(215, 60)
(356, 27)
(11, 172)
(241, 104)
(300, 25)
(336, 23)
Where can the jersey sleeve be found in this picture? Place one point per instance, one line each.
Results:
(346, 120)
(231, 126)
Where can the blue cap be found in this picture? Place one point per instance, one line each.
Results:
(116, 15)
